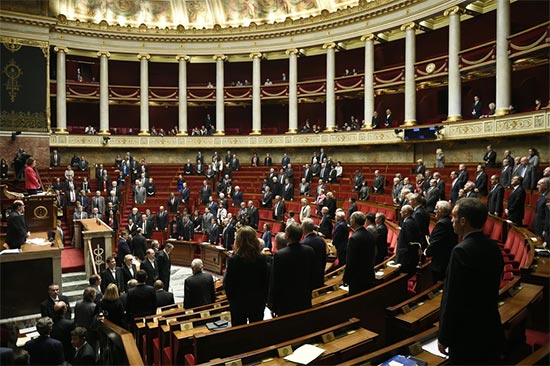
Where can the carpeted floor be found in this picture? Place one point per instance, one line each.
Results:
(72, 260)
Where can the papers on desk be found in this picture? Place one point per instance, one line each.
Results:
(431, 346)
(305, 354)
(39, 241)
(10, 251)
(344, 287)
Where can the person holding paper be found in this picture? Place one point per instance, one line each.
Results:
(17, 227)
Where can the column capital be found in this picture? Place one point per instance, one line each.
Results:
(254, 55)
(293, 51)
(330, 45)
(220, 57)
(368, 37)
(103, 53)
(453, 10)
(61, 49)
(183, 58)
(141, 56)
(407, 26)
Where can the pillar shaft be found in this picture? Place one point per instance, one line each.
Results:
(256, 93)
(292, 91)
(503, 67)
(182, 94)
(144, 95)
(103, 93)
(369, 81)
(220, 112)
(331, 95)
(455, 96)
(61, 93)
(410, 83)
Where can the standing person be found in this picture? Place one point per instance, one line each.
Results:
(112, 274)
(293, 272)
(359, 273)
(381, 237)
(442, 241)
(340, 237)
(164, 265)
(85, 354)
(47, 307)
(45, 350)
(246, 279)
(319, 247)
(439, 158)
(32, 182)
(476, 108)
(111, 306)
(18, 231)
(150, 266)
(516, 202)
(470, 329)
(541, 212)
(490, 157)
(142, 299)
(408, 242)
(198, 288)
(495, 197)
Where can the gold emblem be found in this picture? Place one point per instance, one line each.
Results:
(13, 73)
(41, 212)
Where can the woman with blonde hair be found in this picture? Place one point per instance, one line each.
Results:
(111, 305)
(246, 279)
(305, 211)
(439, 158)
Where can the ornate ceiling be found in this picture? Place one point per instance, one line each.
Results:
(194, 13)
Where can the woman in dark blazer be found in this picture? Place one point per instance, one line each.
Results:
(246, 279)
(111, 306)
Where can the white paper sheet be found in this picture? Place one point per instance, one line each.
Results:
(431, 347)
(305, 354)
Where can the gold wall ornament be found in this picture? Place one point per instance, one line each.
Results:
(13, 73)
(26, 121)
(12, 45)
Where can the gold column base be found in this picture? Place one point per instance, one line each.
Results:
(292, 131)
(366, 128)
(143, 133)
(255, 132)
(454, 118)
(502, 112)
(61, 131)
(182, 133)
(329, 129)
(409, 123)
(219, 133)
(104, 132)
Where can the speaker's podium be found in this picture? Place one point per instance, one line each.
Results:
(97, 240)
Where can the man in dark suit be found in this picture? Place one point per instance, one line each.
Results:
(163, 297)
(495, 197)
(288, 190)
(62, 328)
(293, 271)
(455, 187)
(490, 157)
(307, 173)
(164, 264)
(139, 245)
(442, 241)
(85, 354)
(432, 196)
(420, 167)
(340, 237)
(129, 270)
(463, 176)
(266, 201)
(185, 193)
(325, 226)
(47, 306)
(319, 246)
(408, 242)
(377, 183)
(18, 231)
(440, 184)
(45, 350)
(162, 219)
(421, 216)
(516, 202)
(55, 159)
(279, 209)
(205, 192)
(506, 173)
(253, 215)
(150, 266)
(142, 299)
(237, 196)
(541, 212)
(381, 238)
(285, 161)
(198, 288)
(268, 161)
(476, 108)
(359, 273)
(123, 247)
(481, 180)
(228, 232)
(470, 329)
(112, 274)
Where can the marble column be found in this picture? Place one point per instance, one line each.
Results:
(410, 83)
(220, 82)
(144, 94)
(330, 93)
(182, 94)
(104, 92)
(369, 80)
(292, 90)
(256, 93)
(503, 69)
(61, 93)
(455, 84)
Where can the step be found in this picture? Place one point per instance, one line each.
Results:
(74, 276)
(79, 285)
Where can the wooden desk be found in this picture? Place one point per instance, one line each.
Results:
(327, 294)
(184, 252)
(101, 237)
(514, 305)
(213, 257)
(22, 289)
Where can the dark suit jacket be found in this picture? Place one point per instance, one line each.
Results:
(432, 196)
(470, 301)
(17, 230)
(164, 264)
(319, 246)
(490, 158)
(85, 356)
(462, 178)
(141, 301)
(45, 351)
(198, 290)
(46, 307)
(164, 298)
(516, 205)
(293, 274)
(152, 272)
(267, 199)
(378, 185)
(506, 176)
(481, 183)
(84, 314)
(359, 273)
(541, 218)
(107, 278)
(62, 332)
(340, 240)
(495, 199)
(253, 217)
(441, 186)
(422, 218)
(139, 245)
(122, 250)
(381, 243)
(127, 275)
(407, 255)
(442, 241)
(325, 226)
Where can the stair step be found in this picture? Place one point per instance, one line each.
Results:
(74, 276)
(79, 285)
